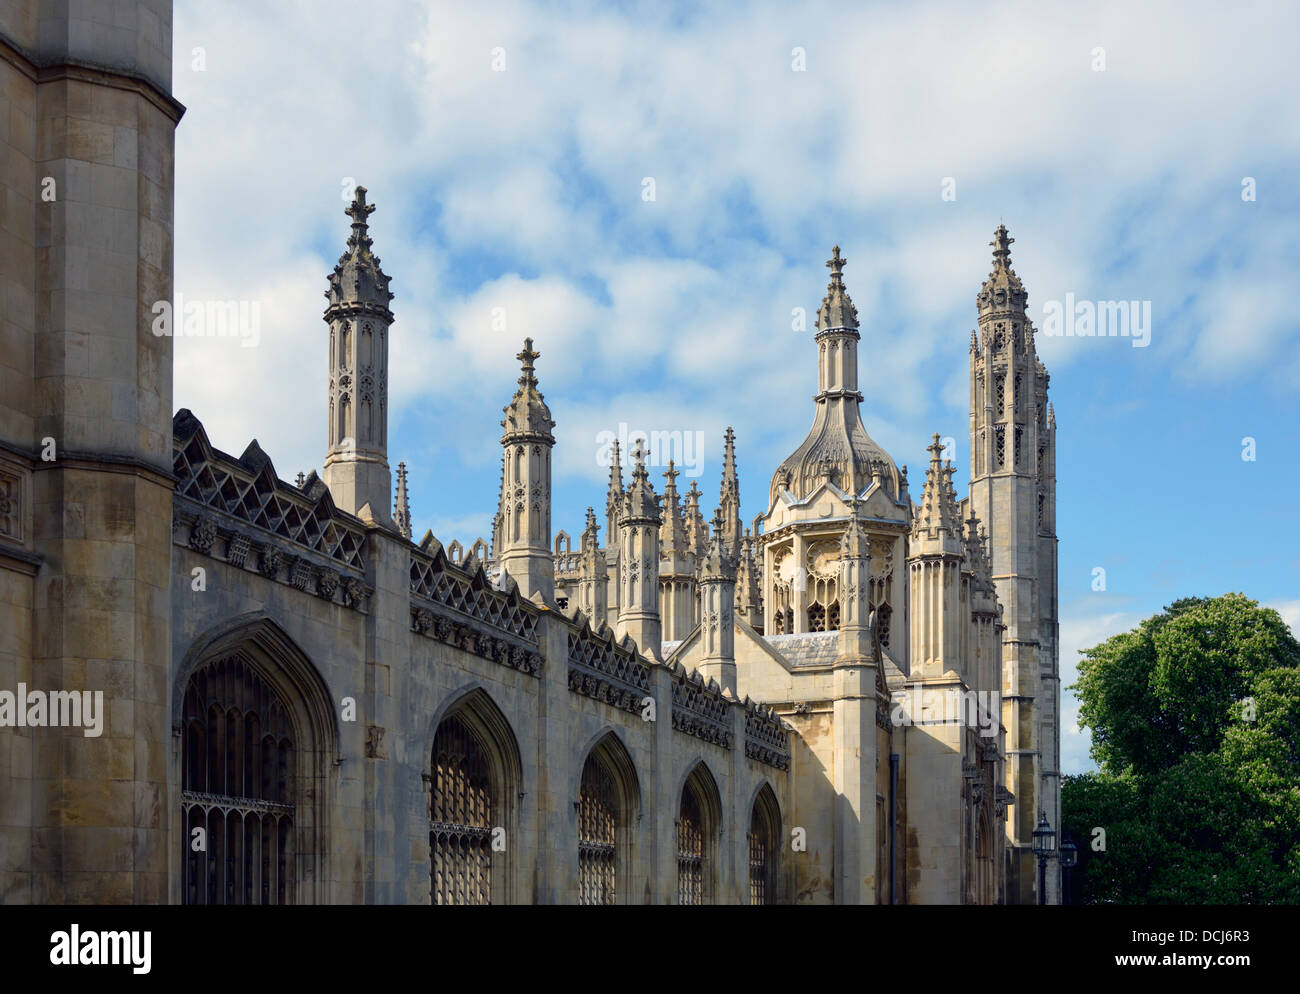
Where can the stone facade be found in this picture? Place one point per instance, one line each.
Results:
(303, 705)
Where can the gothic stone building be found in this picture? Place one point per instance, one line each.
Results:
(854, 701)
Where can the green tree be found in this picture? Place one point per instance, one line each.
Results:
(1196, 730)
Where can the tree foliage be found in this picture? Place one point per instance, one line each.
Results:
(1195, 717)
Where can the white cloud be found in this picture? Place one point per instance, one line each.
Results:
(1290, 612)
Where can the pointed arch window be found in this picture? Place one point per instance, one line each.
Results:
(607, 807)
(461, 816)
(764, 831)
(238, 744)
(473, 779)
(698, 828)
(597, 835)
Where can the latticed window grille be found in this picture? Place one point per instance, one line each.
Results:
(597, 834)
(1000, 443)
(833, 617)
(759, 846)
(816, 618)
(883, 615)
(460, 816)
(690, 850)
(237, 796)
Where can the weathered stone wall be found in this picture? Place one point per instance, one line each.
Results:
(409, 659)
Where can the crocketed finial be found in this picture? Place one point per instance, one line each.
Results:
(836, 264)
(1001, 247)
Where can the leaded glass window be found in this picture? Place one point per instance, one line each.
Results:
(237, 789)
(597, 834)
(763, 831)
(690, 849)
(460, 816)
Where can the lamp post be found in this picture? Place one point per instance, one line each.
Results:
(1044, 846)
(1069, 859)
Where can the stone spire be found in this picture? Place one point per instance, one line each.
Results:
(1002, 293)
(729, 497)
(356, 462)
(697, 533)
(526, 442)
(672, 534)
(939, 518)
(748, 599)
(527, 416)
(498, 519)
(402, 508)
(613, 497)
(592, 585)
(638, 562)
(837, 310)
(838, 449)
(717, 610)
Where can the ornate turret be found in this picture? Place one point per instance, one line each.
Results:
(676, 565)
(638, 562)
(717, 609)
(356, 462)
(838, 449)
(593, 577)
(749, 604)
(526, 442)
(857, 627)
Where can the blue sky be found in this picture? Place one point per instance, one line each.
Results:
(507, 148)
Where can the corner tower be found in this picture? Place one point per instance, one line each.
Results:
(356, 464)
(1013, 490)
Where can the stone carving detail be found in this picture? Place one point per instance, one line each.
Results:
(11, 507)
(247, 489)
(270, 559)
(301, 574)
(471, 594)
(327, 584)
(604, 671)
(766, 737)
(700, 710)
(883, 720)
(473, 637)
(237, 548)
(1001, 798)
(202, 534)
(354, 591)
(375, 748)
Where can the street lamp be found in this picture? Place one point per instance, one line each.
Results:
(1069, 859)
(1044, 846)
